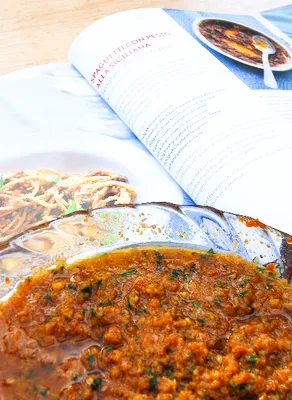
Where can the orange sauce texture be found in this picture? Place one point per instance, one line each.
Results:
(148, 323)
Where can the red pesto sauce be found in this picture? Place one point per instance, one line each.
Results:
(252, 222)
(148, 324)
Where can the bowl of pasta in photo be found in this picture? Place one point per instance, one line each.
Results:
(237, 41)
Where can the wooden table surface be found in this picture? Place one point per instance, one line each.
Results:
(36, 32)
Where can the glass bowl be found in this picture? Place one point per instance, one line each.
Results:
(86, 234)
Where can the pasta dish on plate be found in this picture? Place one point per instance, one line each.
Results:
(31, 198)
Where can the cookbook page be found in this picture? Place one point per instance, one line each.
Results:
(205, 126)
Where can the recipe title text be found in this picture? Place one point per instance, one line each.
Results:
(120, 54)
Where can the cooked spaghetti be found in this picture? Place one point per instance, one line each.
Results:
(31, 198)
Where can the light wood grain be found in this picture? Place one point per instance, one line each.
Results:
(35, 32)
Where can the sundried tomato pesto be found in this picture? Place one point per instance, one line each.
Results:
(148, 324)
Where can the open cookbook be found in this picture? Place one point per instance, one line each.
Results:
(158, 105)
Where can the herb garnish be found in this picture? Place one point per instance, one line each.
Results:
(87, 289)
(53, 178)
(108, 348)
(242, 294)
(92, 312)
(169, 370)
(48, 298)
(211, 251)
(96, 384)
(99, 283)
(152, 383)
(71, 286)
(128, 272)
(72, 207)
(178, 273)
(218, 301)
(174, 273)
(251, 358)
(90, 360)
(208, 253)
(196, 304)
(239, 387)
(159, 258)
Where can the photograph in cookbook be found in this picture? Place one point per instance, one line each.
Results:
(249, 46)
(73, 153)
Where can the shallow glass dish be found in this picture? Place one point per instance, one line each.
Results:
(86, 234)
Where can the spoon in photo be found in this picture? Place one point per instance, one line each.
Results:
(267, 48)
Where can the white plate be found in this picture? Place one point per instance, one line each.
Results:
(283, 67)
(67, 155)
